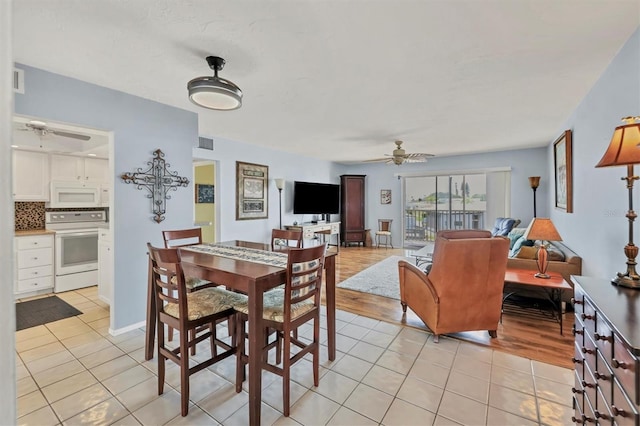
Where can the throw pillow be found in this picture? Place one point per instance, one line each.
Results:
(514, 234)
(527, 252)
(520, 242)
(555, 254)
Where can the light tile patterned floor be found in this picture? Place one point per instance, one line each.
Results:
(73, 372)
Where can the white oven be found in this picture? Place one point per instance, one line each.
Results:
(76, 247)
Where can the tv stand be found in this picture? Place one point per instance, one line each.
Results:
(312, 231)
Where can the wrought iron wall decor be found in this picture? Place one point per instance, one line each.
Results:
(158, 180)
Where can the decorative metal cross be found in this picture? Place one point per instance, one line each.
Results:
(158, 180)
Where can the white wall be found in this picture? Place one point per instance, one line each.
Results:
(7, 307)
(598, 228)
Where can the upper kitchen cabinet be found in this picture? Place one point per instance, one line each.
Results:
(72, 168)
(30, 176)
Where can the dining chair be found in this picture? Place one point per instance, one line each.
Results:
(286, 309)
(384, 231)
(182, 238)
(187, 311)
(283, 239)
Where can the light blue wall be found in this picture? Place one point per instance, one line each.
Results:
(290, 167)
(139, 127)
(598, 228)
(523, 163)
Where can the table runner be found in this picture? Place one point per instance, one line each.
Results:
(242, 253)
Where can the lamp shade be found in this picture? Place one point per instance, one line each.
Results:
(534, 181)
(279, 183)
(623, 149)
(542, 229)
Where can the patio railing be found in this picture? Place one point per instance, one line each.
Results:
(421, 225)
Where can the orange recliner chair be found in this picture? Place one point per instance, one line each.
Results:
(463, 291)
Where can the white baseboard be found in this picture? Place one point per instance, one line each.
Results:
(127, 329)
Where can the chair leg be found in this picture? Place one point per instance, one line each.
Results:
(493, 333)
(316, 350)
(286, 374)
(184, 372)
(240, 337)
(161, 357)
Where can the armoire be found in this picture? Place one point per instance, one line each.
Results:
(352, 196)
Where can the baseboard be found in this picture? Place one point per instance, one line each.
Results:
(119, 331)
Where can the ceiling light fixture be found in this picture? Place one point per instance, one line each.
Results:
(215, 92)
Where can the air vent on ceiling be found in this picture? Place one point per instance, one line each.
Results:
(18, 80)
(205, 143)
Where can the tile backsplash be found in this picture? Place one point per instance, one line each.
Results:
(29, 215)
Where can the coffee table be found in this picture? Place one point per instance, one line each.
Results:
(424, 255)
(552, 288)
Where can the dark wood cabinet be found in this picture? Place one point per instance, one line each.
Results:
(352, 194)
(607, 350)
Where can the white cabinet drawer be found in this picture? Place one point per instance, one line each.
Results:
(35, 284)
(37, 272)
(35, 257)
(39, 241)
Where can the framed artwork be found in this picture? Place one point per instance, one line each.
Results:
(251, 191)
(562, 172)
(385, 196)
(205, 193)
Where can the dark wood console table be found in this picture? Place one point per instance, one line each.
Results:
(607, 349)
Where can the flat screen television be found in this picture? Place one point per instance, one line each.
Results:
(316, 198)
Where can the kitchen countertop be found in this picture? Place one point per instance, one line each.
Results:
(34, 232)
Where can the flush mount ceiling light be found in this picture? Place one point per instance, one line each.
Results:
(215, 92)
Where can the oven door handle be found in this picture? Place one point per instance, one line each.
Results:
(78, 234)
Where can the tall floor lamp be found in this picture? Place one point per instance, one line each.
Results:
(280, 186)
(623, 150)
(534, 181)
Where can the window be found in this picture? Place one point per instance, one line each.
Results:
(470, 200)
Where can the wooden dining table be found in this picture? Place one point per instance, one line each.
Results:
(253, 279)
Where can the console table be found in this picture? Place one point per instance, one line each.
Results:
(311, 230)
(607, 350)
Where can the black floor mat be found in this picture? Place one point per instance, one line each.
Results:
(41, 311)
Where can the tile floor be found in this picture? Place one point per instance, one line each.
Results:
(73, 372)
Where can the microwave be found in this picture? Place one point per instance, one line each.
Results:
(74, 194)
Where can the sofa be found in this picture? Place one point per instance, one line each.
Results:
(562, 259)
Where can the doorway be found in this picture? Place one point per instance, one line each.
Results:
(204, 176)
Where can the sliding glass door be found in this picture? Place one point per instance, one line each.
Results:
(434, 203)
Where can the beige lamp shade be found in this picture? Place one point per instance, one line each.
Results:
(542, 228)
(623, 149)
(279, 183)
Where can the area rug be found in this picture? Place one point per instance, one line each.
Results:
(41, 311)
(380, 279)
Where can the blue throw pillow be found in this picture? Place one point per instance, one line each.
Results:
(518, 244)
(514, 235)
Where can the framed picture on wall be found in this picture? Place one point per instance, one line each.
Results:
(562, 171)
(205, 193)
(251, 191)
(385, 196)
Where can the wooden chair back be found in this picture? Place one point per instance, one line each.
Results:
(182, 237)
(304, 277)
(283, 239)
(166, 265)
(384, 225)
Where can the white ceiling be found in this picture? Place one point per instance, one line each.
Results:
(340, 80)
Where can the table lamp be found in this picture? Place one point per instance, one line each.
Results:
(542, 229)
(623, 150)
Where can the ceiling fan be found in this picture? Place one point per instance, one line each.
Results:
(41, 129)
(399, 156)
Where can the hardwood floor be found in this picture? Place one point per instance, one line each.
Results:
(520, 335)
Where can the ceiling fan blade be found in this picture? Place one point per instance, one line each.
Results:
(70, 135)
(377, 160)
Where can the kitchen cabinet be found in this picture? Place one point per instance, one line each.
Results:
(105, 266)
(105, 189)
(34, 265)
(72, 168)
(30, 175)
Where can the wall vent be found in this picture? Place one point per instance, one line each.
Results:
(18, 80)
(205, 143)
